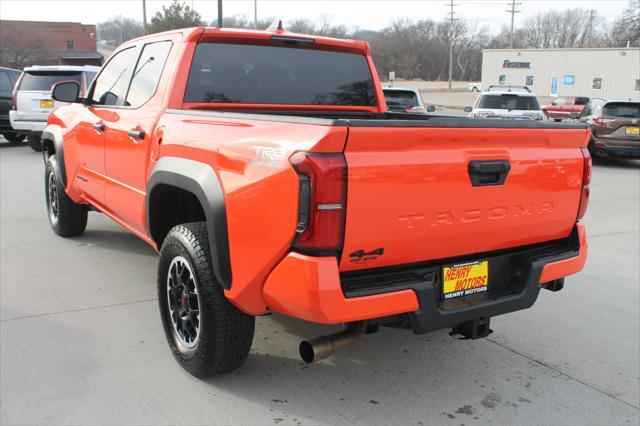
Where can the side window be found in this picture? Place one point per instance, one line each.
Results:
(587, 110)
(147, 73)
(5, 83)
(112, 82)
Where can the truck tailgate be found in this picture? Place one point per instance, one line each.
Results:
(410, 196)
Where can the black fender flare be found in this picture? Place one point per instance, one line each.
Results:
(200, 180)
(54, 134)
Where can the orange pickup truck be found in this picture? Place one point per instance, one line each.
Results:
(267, 171)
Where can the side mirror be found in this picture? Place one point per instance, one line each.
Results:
(468, 109)
(574, 115)
(431, 108)
(66, 91)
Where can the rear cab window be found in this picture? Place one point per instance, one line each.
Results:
(509, 102)
(224, 73)
(43, 80)
(400, 99)
(622, 109)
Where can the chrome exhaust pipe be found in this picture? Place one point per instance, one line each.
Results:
(323, 346)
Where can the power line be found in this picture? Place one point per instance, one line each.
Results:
(513, 12)
(451, 20)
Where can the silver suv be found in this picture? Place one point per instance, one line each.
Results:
(507, 103)
(33, 101)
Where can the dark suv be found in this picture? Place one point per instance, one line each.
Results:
(8, 78)
(615, 128)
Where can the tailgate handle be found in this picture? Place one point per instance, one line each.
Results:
(489, 173)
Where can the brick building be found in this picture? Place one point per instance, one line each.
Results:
(24, 43)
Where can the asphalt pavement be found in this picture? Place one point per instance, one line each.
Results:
(81, 340)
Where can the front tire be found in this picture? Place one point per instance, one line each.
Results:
(35, 142)
(67, 219)
(206, 333)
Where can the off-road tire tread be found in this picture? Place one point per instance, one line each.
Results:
(72, 217)
(226, 333)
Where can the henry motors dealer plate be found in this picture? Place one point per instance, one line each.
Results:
(465, 279)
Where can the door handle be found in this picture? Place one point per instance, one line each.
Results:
(136, 134)
(98, 127)
(488, 173)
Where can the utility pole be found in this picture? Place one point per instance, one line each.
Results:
(144, 15)
(513, 12)
(255, 14)
(592, 13)
(451, 20)
(219, 13)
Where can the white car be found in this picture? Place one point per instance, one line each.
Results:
(507, 103)
(475, 86)
(33, 101)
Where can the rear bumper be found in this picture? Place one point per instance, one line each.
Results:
(311, 288)
(28, 122)
(600, 148)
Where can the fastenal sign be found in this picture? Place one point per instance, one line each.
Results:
(508, 64)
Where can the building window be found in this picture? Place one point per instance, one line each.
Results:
(637, 89)
(529, 81)
(69, 44)
(502, 79)
(597, 83)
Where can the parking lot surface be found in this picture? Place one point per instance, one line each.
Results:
(81, 340)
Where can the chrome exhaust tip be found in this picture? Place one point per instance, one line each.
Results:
(323, 346)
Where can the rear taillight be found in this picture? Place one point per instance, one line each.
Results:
(14, 97)
(586, 181)
(14, 94)
(321, 210)
(603, 121)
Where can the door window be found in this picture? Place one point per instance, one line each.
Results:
(111, 84)
(147, 73)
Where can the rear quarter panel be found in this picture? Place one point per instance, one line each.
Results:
(251, 161)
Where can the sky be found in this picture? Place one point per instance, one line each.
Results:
(362, 14)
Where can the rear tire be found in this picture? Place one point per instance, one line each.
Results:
(67, 219)
(35, 142)
(206, 333)
(14, 137)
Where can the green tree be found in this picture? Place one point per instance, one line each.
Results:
(177, 15)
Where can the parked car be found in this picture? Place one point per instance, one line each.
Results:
(33, 101)
(405, 100)
(8, 79)
(507, 102)
(265, 168)
(615, 128)
(475, 86)
(564, 106)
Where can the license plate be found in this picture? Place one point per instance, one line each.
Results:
(465, 279)
(46, 104)
(633, 130)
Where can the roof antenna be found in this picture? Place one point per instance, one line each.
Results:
(276, 25)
